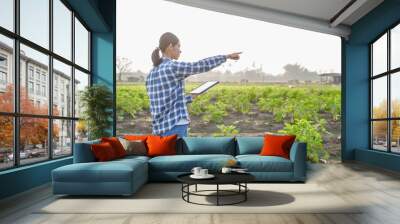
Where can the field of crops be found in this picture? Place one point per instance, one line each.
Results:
(311, 112)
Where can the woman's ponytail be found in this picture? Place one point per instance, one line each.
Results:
(165, 40)
(155, 57)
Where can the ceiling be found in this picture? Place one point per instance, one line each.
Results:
(326, 16)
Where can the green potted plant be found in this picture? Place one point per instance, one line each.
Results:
(96, 102)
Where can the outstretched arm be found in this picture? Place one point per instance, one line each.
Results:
(185, 69)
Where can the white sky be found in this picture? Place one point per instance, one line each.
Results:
(204, 33)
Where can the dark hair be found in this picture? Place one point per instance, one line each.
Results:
(165, 40)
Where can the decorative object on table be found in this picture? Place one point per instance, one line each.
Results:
(227, 167)
(226, 170)
(200, 173)
(97, 103)
(231, 163)
(237, 170)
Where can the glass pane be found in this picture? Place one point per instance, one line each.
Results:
(33, 139)
(379, 97)
(35, 21)
(395, 94)
(379, 135)
(34, 97)
(81, 131)
(395, 136)
(62, 138)
(62, 89)
(81, 45)
(395, 47)
(7, 14)
(379, 55)
(81, 81)
(62, 29)
(6, 142)
(6, 74)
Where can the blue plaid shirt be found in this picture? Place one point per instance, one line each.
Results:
(165, 86)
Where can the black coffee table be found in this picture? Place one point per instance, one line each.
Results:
(238, 179)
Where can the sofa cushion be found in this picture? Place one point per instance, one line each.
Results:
(185, 163)
(161, 145)
(277, 145)
(257, 163)
(103, 152)
(116, 145)
(112, 171)
(249, 145)
(207, 145)
(134, 147)
(83, 152)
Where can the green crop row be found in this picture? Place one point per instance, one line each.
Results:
(301, 109)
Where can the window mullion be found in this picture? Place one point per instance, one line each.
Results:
(389, 77)
(73, 81)
(50, 82)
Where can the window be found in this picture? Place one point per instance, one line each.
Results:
(43, 90)
(385, 96)
(37, 74)
(3, 78)
(6, 142)
(81, 81)
(44, 77)
(62, 137)
(7, 14)
(62, 29)
(3, 61)
(81, 45)
(30, 87)
(34, 145)
(395, 47)
(40, 64)
(50, 135)
(35, 21)
(38, 89)
(61, 74)
(30, 72)
(6, 73)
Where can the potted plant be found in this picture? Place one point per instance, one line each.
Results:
(97, 103)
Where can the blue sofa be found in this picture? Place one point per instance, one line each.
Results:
(125, 176)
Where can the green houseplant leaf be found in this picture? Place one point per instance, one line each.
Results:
(97, 104)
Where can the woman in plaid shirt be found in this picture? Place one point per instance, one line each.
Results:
(165, 85)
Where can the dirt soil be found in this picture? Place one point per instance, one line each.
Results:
(253, 124)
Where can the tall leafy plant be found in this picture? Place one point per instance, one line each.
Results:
(97, 104)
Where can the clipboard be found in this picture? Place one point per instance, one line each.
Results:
(203, 88)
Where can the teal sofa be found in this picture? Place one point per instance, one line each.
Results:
(125, 176)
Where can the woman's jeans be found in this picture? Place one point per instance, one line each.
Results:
(181, 130)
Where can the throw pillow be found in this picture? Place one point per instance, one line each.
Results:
(103, 151)
(161, 145)
(117, 146)
(136, 137)
(277, 145)
(135, 147)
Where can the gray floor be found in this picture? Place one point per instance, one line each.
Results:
(352, 181)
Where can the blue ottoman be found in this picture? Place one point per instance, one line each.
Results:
(118, 177)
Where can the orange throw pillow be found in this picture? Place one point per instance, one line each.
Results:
(136, 137)
(277, 145)
(161, 145)
(103, 152)
(116, 145)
